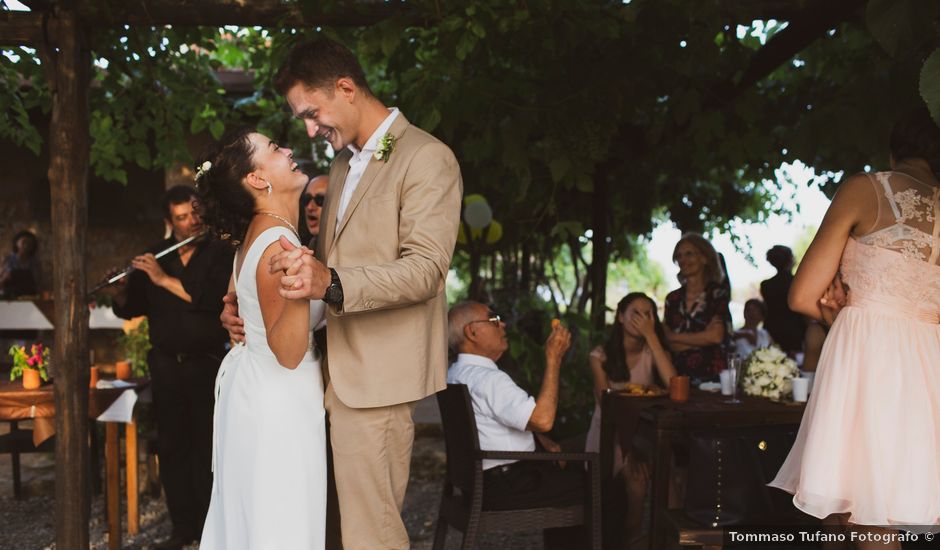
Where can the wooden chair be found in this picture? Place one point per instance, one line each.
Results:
(464, 510)
(18, 441)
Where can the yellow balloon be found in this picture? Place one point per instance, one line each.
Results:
(475, 233)
(494, 232)
(470, 199)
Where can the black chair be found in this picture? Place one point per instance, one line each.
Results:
(465, 511)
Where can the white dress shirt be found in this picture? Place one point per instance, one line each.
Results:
(744, 348)
(501, 408)
(359, 161)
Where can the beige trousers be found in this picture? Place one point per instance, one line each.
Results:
(371, 462)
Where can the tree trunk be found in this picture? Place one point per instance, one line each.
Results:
(68, 64)
(600, 253)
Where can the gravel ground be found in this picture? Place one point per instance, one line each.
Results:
(28, 524)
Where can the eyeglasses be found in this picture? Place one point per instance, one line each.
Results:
(493, 318)
(307, 197)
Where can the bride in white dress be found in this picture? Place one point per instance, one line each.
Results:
(269, 447)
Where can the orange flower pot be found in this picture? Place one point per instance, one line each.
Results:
(31, 379)
(122, 370)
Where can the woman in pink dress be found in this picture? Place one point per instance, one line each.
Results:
(868, 450)
(634, 352)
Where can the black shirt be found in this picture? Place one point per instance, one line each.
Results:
(785, 326)
(177, 326)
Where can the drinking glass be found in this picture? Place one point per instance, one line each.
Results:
(734, 363)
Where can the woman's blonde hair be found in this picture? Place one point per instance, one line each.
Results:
(713, 272)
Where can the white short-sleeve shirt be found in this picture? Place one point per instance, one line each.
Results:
(744, 347)
(501, 408)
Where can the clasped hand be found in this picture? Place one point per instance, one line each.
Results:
(833, 300)
(304, 277)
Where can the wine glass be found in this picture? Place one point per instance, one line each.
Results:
(734, 364)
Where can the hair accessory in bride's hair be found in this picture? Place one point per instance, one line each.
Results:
(203, 170)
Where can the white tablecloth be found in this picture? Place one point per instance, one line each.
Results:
(25, 315)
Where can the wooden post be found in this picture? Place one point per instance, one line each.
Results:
(130, 468)
(67, 64)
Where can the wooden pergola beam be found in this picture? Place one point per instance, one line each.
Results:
(26, 27)
(20, 28)
(226, 12)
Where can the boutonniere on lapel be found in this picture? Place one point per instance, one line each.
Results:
(386, 146)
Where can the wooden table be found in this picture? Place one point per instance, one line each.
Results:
(38, 405)
(664, 424)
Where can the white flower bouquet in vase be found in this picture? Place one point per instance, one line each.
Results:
(768, 373)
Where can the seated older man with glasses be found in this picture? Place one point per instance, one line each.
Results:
(507, 418)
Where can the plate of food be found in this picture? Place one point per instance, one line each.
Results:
(639, 390)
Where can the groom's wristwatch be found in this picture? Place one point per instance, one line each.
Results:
(334, 292)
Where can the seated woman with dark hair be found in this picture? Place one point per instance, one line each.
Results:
(634, 352)
(19, 274)
(697, 315)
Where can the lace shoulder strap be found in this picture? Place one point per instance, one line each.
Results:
(252, 255)
(889, 194)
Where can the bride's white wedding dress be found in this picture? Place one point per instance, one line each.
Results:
(269, 447)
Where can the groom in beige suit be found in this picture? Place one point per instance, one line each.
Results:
(390, 223)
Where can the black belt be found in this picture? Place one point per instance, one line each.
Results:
(502, 470)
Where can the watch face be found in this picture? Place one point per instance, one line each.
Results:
(334, 294)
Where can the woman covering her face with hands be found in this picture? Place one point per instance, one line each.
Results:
(634, 352)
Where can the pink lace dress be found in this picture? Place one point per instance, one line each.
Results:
(640, 373)
(869, 443)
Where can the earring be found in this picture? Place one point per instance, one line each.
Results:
(269, 188)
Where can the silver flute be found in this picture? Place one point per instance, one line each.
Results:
(158, 255)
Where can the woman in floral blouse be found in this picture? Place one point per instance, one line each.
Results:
(697, 316)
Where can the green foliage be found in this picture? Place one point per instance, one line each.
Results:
(930, 84)
(135, 345)
(24, 73)
(802, 244)
(901, 25)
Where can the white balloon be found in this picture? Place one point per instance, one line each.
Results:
(478, 215)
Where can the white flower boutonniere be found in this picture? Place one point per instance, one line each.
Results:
(386, 146)
(202, 170)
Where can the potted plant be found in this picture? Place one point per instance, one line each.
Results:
(31, 365)
(136, 343)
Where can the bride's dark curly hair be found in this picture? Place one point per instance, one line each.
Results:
(225, 206)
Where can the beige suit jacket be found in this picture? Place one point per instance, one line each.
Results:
(387, 344)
